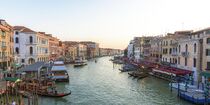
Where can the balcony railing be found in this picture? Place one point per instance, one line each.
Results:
(146, 45)
(4, 58)
(185, 54)
(4, 47)
(174, 54)
(31, 43)
(3, 36)
(174, 44)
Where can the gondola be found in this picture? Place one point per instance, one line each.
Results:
(54, 94)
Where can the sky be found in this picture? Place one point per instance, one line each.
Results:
(111, 23)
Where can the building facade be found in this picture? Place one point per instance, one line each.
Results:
(7, 45)
(81, 51)
(53, 47)
(30, 46)
(92, 49)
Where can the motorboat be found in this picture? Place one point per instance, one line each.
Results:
(59, 72)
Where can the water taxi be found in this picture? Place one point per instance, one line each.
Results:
(79, 63)
(59, 72)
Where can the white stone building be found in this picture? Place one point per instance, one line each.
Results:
(81, 51)
(30, 46)
(130, 53)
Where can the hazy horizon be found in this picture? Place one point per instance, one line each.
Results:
(112, 23)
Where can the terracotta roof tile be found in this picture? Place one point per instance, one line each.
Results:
(22, 29)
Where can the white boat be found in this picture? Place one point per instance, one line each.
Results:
(182, 86)
(59, 72)
(79, 62)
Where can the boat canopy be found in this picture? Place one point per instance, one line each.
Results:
(58, 62)
(12, 79)
(205, 74)
(59, 68)
(59, 77)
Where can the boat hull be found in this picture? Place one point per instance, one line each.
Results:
(62, 80)
(79, 65)
(54, 95)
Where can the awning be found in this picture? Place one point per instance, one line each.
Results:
(12, 79)
(205, 74)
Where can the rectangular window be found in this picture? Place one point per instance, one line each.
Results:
(3, 33)
(194, 62)
(208, 40)
(179, 60)
(23, 60)
(207, 52)
(185, 61)
(170, 50)
(3, 43)
(208, 66)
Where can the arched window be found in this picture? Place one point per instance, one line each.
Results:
(31, 50)
(17, 50)
(195, 48)
(16, 40)
(31, 39)
(179, 48)
(186, 48)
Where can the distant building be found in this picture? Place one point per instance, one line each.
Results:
(70, 50)
(156, 49)
(109, 52)
(92, 49)
(136, 48)
(81, 51)
(130, 54)
(54, 52)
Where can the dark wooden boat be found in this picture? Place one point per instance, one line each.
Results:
(79, 64)
(141, 77)
(54, 94)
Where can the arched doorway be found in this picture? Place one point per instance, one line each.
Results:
(31, 61)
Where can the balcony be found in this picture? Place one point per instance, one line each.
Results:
(3, 36)
(174, 54)
(146, 45)
(174, 44)
(30, 43)
(31, 55)
(4, 58)
(4, 47)
(185, 54)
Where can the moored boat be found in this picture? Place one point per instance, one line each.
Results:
(79, 63)
(52, 94)
(59, 72)
(182, 86)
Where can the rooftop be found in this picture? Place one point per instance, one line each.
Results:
(23, 29)
(33, 67)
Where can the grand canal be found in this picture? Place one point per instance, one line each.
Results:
(102, 83)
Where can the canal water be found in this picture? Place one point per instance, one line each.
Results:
(102, 83)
